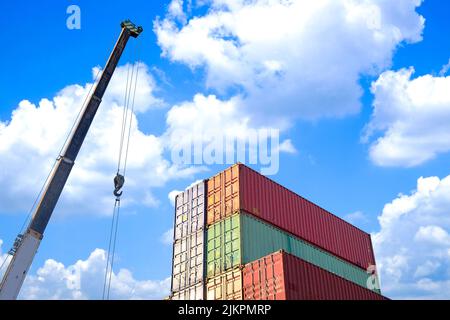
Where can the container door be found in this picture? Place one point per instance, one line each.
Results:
(191, 293)
(190, 211)
(223, 245)
(188, 262)
(227, 286)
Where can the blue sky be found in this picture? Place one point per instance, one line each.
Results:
(331, 165)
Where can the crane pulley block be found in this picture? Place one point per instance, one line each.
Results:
(134, 30)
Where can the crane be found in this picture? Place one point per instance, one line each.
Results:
(27, 244)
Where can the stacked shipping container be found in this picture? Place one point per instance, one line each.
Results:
(281, 276)
(241, 188)
(188, 266)
(241, 239)
(248, 218)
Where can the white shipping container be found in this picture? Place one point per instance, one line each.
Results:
(188, 261)
(190, 211)
(192, 293)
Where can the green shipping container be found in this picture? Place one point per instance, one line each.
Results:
(242, 238)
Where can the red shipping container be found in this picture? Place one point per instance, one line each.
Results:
(281, 276)
(241, 188)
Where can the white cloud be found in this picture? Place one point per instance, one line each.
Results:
(292, 57)
(193, 184)
(445, 69)
(167, 237)
(208, 130)
(412, 116)
(204, 117)
(175, 10)
(4, 259)
(172, 195)
(426, 269)
(356, 217)
(31, 139)
(434, 235)
(145, 89)
(84, 280)
(413, 244)
(287, 146)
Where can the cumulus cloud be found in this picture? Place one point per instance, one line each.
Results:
(4, 259)
(291, 58)
(357, 217)
(209, 130)
(146, 86)
(412, 116)
(287, 146)
(167, 237)
(202, 118)
(434, 235)
(32, 138)
(445, 69)
(84, 280)
(172, 195)
(175, 10)
(413, 244)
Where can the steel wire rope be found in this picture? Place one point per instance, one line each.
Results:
(129, 91)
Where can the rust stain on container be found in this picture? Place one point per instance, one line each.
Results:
(241, 188)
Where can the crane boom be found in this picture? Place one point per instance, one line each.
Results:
(26, 245)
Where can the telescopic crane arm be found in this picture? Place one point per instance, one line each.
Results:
(26, 245)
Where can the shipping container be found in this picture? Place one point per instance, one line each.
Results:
(264, 279)
(188, 267)
(226, 286)
(241, 188)
(188, 261)
(195, 292)
(242, 238)
(190, 210)
(281, 276)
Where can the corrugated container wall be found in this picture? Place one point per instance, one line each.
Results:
(281, 276)
(242, 238)
(264, 279)
(190, 210)
(188, 266)
(241, 188)
(188, 261)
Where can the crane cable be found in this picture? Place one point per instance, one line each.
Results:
(119, 180)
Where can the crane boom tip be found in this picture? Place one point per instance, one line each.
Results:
(134, 30)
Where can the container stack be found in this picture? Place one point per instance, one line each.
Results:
(188, 268)
(262, 241)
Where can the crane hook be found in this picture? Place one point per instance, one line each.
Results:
(119, 181)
